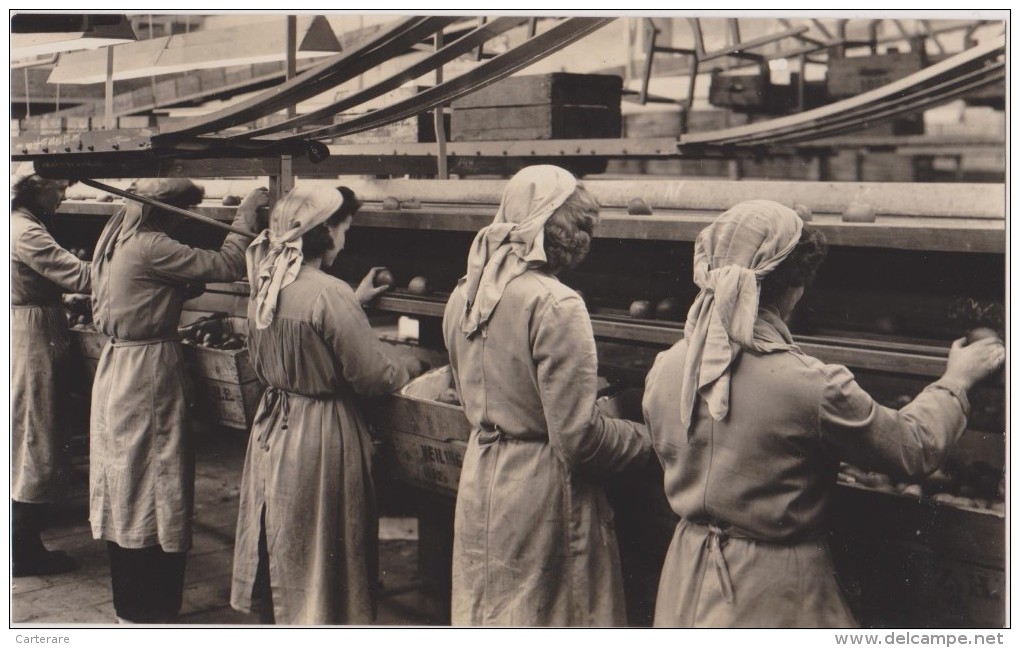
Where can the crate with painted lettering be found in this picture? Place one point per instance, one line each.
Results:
(226, 386)
(426, 431)
(853, 75)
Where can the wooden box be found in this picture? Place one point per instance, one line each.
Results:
(78, 124)
(134, 121)
(87, 346)
(188, 85)
(849, 77)
(225, 383)
(427, 439)
(754, 92)
(920, 564)
(546, 106)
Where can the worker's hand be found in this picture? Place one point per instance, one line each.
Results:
(246, 216)
(414, 366)
(969, 363)
(367, 290)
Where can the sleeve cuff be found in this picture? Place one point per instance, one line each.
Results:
(956, 389)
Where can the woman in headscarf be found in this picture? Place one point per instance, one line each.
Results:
(534, 543)
(750, 432)
(41, 271)
(307, 529)
(142, 463)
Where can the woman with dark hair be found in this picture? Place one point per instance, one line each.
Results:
(750, 432)
(307, 529)
(142, 463)
(534, 543)
(41, 271)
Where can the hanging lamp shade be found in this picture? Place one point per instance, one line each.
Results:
(40, 34)
(260, 42)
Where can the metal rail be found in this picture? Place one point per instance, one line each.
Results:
(343, 67)
(537, 48)
(805, 121)
(161, 205)
(462, 45)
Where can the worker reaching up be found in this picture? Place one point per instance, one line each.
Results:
(142, 464)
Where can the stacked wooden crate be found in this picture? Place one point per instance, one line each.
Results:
(540, 107)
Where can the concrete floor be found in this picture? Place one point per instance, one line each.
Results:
(83, 597)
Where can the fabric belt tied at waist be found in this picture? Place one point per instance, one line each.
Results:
(133, 343)
(273, 399)
(488, 435)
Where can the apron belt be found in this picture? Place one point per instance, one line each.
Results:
(133, 343)
(274, 398)
(488, 435)
(716, 537)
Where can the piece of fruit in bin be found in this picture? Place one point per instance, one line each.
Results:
(641, 309)
(638, 207)
(449, 396)
(419, 286)
(804, 212)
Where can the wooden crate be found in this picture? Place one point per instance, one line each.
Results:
(921, 564)
(87, 346)
(751, 92)
(849, 77)
(545, 106)
(427, 438)
(227, 388)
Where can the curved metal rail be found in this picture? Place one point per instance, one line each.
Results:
(920, 89)
(391, 42)
(462, 45)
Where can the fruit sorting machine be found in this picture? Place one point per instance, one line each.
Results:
(924, 265)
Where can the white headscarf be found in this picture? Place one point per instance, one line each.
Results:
(274, 257)
(730, 258)
(514, 242)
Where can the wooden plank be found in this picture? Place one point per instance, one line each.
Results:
(560, 88)
(950, 200)
(535, 122)
(229, 404)
(422, 461)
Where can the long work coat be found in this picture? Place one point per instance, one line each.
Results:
(534, 543)
(142, 463)
(308, 465)
(753, 490)
(40, 271)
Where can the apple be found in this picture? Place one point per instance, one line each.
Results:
(638, 207)
(667, 309)
(105, 198)
(804, 212)
(419, 286)
(411, 203)
(390, 203)
(980, 333)
(641, 309)
(913, 490)
(383, 278)
(231, 200)
(859, 213)
(449, 396)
